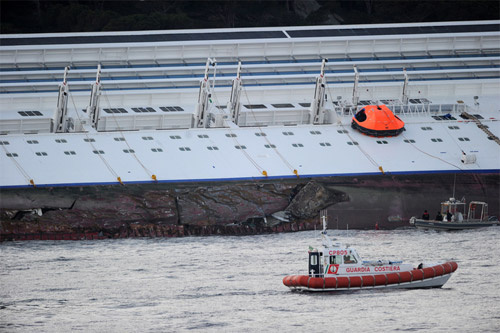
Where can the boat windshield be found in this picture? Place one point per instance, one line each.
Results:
(349, 259)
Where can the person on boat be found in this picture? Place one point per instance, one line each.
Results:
(425, 216)
(448, 216)
(439, 217)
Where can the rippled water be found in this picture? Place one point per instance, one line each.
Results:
(235, 284)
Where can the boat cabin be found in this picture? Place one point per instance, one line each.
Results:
(328, 260)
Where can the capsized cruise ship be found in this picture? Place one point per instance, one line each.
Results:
(159, 108)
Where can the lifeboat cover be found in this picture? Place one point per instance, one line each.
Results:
(377, 120)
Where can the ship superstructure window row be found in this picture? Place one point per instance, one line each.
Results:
(128, 151)
(325, 144)
(382, 142)
(283, 105)
(426, 128)
(115, 110)
(288, 133)
(231, 135)
(213, 148)
(260, 134)
(156, 150)
(255, 106)
(240, 147)
(32, 142)
(297, 145)
(341, 131)
(89, 140)
(30, 113)
(98, 152)
(61, 141)
(203, 136)
(171, 108)
(175, 137)
(143, 110)
(270, 146)
(184, 149)
(146, 138)
(4, 143)
(409, 141)
(315, 132)
(11, 155)
(463, 139)
(119, 139)
(436, 140)
(70, 152)
(352, 143)
(41, 153)
(453, 127)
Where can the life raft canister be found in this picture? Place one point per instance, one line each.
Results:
(378, 121)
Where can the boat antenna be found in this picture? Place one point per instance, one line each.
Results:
(326, 240)
(454, 181)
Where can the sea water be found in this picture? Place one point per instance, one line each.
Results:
(234, 284)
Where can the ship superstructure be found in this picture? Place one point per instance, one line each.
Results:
(148, 107)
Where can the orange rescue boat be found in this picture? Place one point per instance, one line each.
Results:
(377, 120)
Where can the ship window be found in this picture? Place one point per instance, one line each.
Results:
(61, 141)
(436, 140)
(260, 134)
(349, 259)
(352, 143)
(315, 132)
(297, 145)
(342, 131)
(382, 142)
(314, 260)
(426, 128)
(203, 136)
(115, 110)
(171, 108)
(119, 139)
(89, 140)
(41, 153)
(156, 150)
(288, 133)
(231, 135)
(453, 127)
(255, 106)
(464, 139)
(32, 142)
(128, 151)
(270, 146)
(325, 144)
(283, 105)
(30, 113)
(143, 110)
(213, 148)
(409, 141)
(4, 143)
(147, 138)
(175, 137)
(184, 149)
(305, 105)
(69, 152)
(240, 147)
(12, 155)
(98, 152)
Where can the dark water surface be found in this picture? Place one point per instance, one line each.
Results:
(235, 284)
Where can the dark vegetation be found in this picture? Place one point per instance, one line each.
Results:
(37, 16)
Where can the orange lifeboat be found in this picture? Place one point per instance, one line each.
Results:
(377, 120)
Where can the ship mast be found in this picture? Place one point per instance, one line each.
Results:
(318, 103)
(404, 98)
(355, 95)
(203, 98)
(62, 105)
(93, 108)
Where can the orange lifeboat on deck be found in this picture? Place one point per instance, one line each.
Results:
(377, 120)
